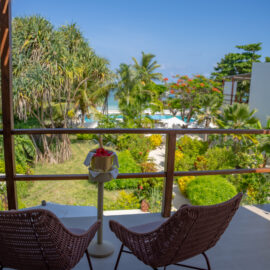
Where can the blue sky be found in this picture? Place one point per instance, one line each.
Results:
(187, 36)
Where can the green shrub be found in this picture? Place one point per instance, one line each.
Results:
(187, 152)
(124, 201)
(183, 182)
(86, 136)
(208, 190)
(191, 146)
(19, 168)
(217, 158)
(127, 165)
(255, 185)
(25, 154)
(138, 145)
(155, 200)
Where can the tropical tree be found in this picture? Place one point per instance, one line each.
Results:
(238, 63)
(187, 96)
(136, 89)
(146, 68)
(210, 109)
(239, 116)
(52, 69)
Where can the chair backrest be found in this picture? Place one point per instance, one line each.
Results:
(193, 230)
(33, 239)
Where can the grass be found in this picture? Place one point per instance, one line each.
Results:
(72, 192)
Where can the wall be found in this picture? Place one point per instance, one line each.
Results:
(227, 91)
(260, 90)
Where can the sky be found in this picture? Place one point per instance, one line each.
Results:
(187, 36)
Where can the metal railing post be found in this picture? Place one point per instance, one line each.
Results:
(169, 169)
(7, 101)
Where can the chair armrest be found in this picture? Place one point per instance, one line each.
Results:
(80, 242)
(128, 237)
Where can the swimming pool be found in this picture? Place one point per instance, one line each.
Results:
(154, 117)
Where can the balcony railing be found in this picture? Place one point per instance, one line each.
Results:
(169, 173)
(8, 133)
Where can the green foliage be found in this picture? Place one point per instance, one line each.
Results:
(135, 88)
(208, 190)
(255, 185)
(188, 97)
(188, 149)
(217, 158)
(138, 145)
(25, 154)
(55, 72)
(237, 116)
(238, 63)
(23, 192)
(85, 137)
(127, 165)
(124, 201)
(191, 146)
(183, 182)
(108, 121)
(155, 200)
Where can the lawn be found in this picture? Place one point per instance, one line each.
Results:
(75, 192)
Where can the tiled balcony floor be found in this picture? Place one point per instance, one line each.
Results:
(244, 246)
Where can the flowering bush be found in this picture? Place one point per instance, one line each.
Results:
(124, 201)
(138, 145)
(155, 140)
(183, 182)
(187, 152)
(187, 95)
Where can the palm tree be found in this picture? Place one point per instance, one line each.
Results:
(237, 116)
(209, 111)
(147, 67)
(210, 108)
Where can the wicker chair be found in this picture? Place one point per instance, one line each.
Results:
(191, 231)
(37, 240)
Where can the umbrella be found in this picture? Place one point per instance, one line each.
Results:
(173, 122)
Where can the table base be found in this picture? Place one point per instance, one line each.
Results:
(100, 250)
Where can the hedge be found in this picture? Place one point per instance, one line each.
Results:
(208, 190)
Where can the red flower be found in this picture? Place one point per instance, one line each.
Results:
(189, 80)
(165, 79)
(202, 84)
(177, 84)
(184, 84)
(101, 152)
(141, 187)
(140, 153)
(179, 80)
(172, 92)
(198, 76)
(216, 90)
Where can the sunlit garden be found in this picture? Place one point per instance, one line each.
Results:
(60, 82)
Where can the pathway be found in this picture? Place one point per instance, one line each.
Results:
(158, 157)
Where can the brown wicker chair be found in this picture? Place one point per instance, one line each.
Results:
(191, 231)
(37, 240)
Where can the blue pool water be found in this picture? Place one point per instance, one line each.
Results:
(154, 117)
(113, 105)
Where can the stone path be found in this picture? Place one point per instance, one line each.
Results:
(158, 157)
